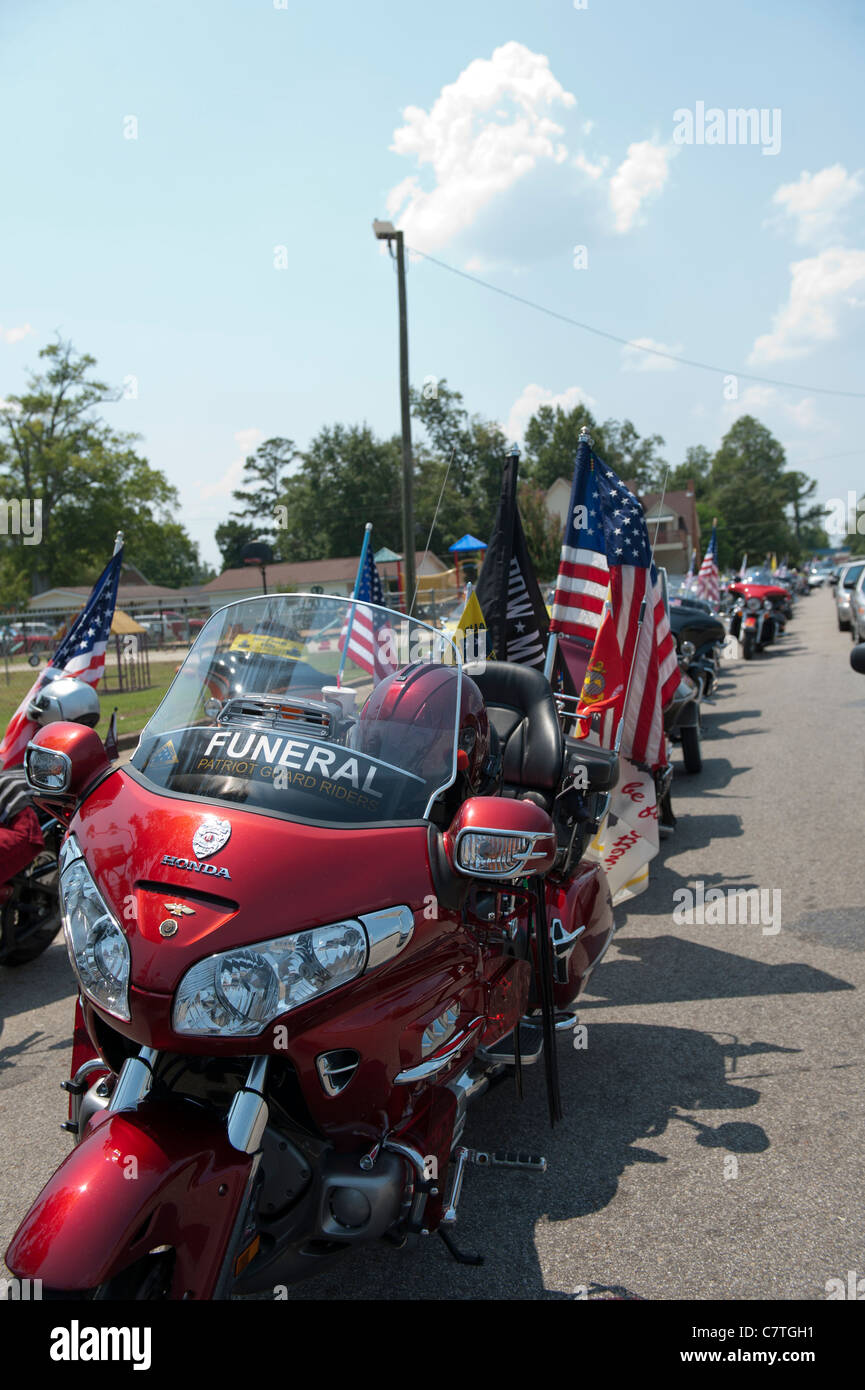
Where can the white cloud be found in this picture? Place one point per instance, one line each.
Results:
(14, 335)
(533, 396)
(821, 290)
(246, 441)
(642, 174)
(815, 203)
(594, 171)
(759, 399)
(633, 360)
(482, 135)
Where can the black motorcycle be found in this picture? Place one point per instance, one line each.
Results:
(29, 909)
(700, 636)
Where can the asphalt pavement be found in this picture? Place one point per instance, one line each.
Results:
(713, 1131)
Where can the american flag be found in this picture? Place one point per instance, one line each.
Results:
(606, 552)
(708, 580)
(369, 627)
(81, 654)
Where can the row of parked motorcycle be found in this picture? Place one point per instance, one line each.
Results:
(754, 609)
(310, 927)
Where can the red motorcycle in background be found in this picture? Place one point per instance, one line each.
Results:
(760, 611)
(310, 921)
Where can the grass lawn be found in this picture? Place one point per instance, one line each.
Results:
(133, 710)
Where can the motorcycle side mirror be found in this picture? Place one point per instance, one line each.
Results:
(857, 658)
(60, 763)
(501, 838)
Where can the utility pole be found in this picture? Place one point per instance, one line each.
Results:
(385, 231)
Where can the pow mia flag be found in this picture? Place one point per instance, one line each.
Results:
(507, 590)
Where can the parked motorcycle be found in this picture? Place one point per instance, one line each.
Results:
(700, 636)
(310, 922)
(29, 910)
(759, 613)
(29, 907)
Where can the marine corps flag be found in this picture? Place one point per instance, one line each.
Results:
(507, 591)
(603, 687)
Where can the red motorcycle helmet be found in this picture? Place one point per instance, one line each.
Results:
(410, 715)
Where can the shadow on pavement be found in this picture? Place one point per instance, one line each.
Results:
(622, 1090)
(667, 969)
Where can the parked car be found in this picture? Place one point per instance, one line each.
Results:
(847, 581)
(857, 608)
(169, 625)
(22, 639)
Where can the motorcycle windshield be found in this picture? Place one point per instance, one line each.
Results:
(285, 704)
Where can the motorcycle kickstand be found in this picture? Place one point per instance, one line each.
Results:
(459, 1255)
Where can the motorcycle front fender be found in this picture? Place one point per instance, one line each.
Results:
(164, 1174)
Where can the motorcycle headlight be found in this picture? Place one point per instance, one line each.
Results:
(767, 603)
(240, 992)
(98, 949)
(753, 605)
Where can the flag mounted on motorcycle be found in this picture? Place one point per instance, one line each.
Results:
(507, 592)
(709, 579)
(608, 588)
(366, 634)
(81, 654)
(606, 557)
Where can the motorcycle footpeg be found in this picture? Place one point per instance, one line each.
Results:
(531, 1046)
(526, 1163)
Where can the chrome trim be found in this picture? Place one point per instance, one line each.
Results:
(436, 1034)
(134, 1081)
(449, 1215)
(70, 850)
(465, 1088)
(328, 1075)
(54, 753)
(247, 1117)
(396, 1146)
(388, 932)
(532, 836)
(563, 939)
(442, 1060)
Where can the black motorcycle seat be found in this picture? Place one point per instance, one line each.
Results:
(601, 764)
(522, 710)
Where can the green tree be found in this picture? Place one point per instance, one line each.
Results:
(467, 450)
(748, 492)
(55, 448)
(231, 536)
(346, 477)
(262, 487)
(551, 439)
(696, 468)
(543, 532)
(807, 519)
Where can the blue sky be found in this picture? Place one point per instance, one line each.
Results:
(500, 136)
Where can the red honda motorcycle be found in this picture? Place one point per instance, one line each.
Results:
(310, 921)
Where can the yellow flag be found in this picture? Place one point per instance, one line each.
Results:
(471, 623)
(774, 562)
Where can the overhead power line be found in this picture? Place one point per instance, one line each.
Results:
(638, 347)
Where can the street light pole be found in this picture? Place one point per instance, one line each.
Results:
(385, 231)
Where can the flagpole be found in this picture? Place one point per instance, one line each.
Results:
(621, 728)
(620, 731)
(553, 639)
(364, 548)
(118, 543)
